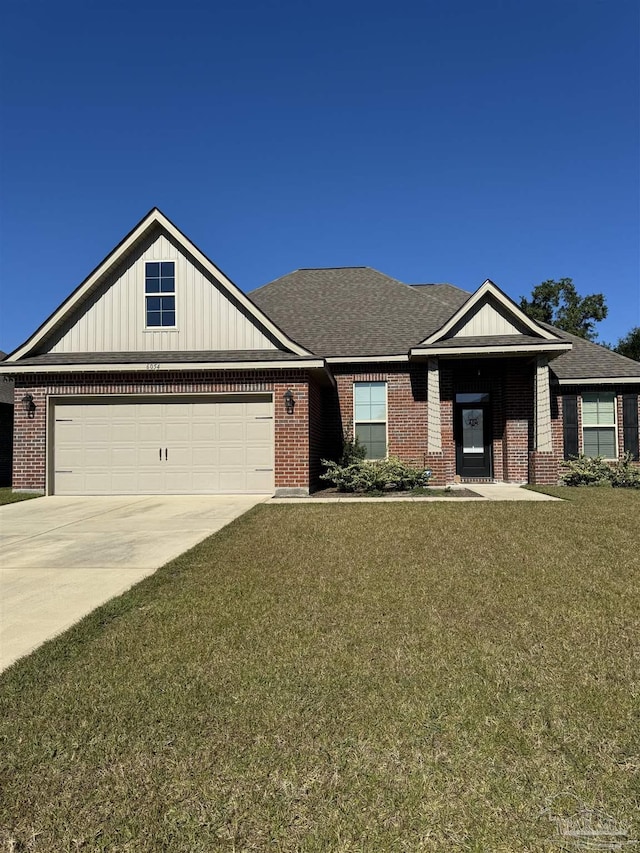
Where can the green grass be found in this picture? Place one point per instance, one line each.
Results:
(9, 497)
(343, 677)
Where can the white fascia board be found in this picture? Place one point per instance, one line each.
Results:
(364, 359)
(489, 288)
(490, 350)
(602, 380)
(160, 367)
(155, 217)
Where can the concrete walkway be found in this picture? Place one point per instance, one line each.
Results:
(63, 557)
(486, 491)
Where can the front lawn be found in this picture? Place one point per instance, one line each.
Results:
(343, 677)
(7, 496)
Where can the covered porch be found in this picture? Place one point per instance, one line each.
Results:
(492, 419)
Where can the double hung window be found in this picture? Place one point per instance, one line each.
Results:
(599, 424)
(370, 417)
(160, 294)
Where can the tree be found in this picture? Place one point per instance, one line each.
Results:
(558, 303)
(630, 344)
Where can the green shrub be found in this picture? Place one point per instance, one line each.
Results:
(586, 471)
(352, 450)
(625, 474)
(595, 471)
(379, 475)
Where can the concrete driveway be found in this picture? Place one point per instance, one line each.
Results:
(63, 557)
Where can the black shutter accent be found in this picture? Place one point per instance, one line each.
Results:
(630, 424)
(570, 422)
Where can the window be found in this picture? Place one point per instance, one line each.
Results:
(599, 424)
(370, 417)
(160, 293)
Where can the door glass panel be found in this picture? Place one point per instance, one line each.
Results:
(474, 397)
(472, 431)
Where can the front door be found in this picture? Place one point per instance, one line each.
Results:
(473, 435)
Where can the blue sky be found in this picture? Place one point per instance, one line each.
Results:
(453, 141)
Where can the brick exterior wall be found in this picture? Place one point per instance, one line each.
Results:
(293, 450)
(323, 415)
(406, 405)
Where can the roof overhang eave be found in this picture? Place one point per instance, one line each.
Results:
(552, 350)
(17, 369)
(601, 380)
(366, 359)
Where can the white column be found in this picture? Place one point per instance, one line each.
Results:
(544, 441)
(434, 429)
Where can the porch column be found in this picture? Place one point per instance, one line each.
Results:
(543, 443)
(434, 429)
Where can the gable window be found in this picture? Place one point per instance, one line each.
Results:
(370, 417)
(599, 424)
(160, 293)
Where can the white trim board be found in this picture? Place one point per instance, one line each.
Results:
(489, 350)
(602, 380)
(159, 367)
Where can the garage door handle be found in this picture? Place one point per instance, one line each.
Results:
(166, 454)
(160, 454)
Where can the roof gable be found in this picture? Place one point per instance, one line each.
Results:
(106, 313)
(488, 313)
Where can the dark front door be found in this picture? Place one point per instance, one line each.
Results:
(473, 435)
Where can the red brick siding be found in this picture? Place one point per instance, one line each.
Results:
(291, 431)
(519, 422)
(406, 406)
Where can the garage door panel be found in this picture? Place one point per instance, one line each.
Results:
(231, 410)
(119, 447)
(97, 456)
(258, 457)
(125, 430)
(203, 431)
(259, 431)
(231, 430)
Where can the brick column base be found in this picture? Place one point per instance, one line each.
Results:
(437, 464)
(543, 469)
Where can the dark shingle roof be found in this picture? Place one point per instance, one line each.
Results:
(356, 311)
(586, 360)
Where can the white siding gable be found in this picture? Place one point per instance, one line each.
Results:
(113, 317)
(487, 318)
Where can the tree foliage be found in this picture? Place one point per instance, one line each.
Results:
(558, 303)
(630, 344)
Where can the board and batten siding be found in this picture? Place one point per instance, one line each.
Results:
(114, 318)
(486, 319)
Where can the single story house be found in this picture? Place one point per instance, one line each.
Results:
(158, 375)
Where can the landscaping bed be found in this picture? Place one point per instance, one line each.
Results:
(428, 492)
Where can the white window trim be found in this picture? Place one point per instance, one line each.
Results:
(173, 328)
(613, 426)
(385, 421)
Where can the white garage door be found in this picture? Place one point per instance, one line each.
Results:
(186, 446)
